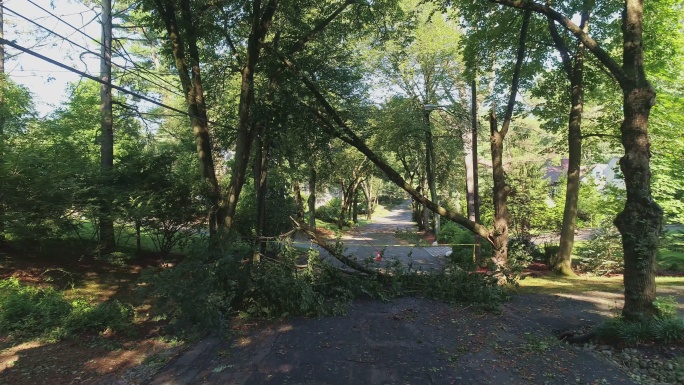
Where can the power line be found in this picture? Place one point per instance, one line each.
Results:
(89, 51)
(129, 59)
(118, 88)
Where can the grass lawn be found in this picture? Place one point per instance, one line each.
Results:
(554, 284)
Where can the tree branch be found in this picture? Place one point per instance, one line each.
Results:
(560, 46)
(603, 56)
(515, 84)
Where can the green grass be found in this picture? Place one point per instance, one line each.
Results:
(554, 284)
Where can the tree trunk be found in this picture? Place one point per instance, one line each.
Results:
(311, 201)
(298, 200)
(355, 206)
(641, 220)
(106, 223)
(563, 263)
(475, 184)
(261, 187)
(368, 195)
(2, 121)
(138, 241)
(261, 23)
(189, 73)
(430, 171)
(500, 195)
(501, 190)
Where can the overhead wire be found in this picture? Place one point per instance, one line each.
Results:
(98, 80)
(129, 59)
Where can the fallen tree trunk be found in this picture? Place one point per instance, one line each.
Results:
(336, 253)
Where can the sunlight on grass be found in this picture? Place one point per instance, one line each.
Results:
(554, 284)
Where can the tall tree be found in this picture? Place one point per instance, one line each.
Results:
(2, 119)
(183, 39)
(501, 189)
(106, 225)
(640, 222)
(574, 69)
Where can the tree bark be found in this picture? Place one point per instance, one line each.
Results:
(641, 220)
(474, 171)
(261, 23)
(261, 188)
(311, 201)
(499, 195)
(575, 71)
(106, 223)
(3, 82)
(190, 77)
(500, 189)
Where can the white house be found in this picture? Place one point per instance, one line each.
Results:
(607, 174)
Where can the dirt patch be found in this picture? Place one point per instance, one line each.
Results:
(85, 359)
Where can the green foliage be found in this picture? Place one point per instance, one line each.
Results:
(31, 311)
(666, 327)
(528, 203)
(667, 306)
(329, 212)
(199, 291)
(462, 240)
(456, 285)
(279, 207)
(602, 253)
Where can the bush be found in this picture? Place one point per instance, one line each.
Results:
(667, 327)
(329, 212)
(32, 311)
(602, 254)
(199, 291)
(461, 239)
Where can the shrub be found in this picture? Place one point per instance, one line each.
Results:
(461, 239)
(667, 327)
(329, 212)
(33, 311)
(199, 290)
(602, 254)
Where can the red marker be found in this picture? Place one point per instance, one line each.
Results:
(379, 257)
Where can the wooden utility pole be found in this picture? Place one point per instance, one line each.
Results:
(107, 129)
(475, 190)
(2, 118)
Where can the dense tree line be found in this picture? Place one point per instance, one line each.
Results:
(261, 100)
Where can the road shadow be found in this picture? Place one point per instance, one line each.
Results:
(407, 341)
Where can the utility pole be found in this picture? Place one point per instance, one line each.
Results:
(475, 192)
(429, 164)
(2, 118)
(106, 225)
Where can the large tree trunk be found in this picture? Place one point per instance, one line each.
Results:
(261, 23)
(499, 195)
(189, 73)
(106, 223)
(475, 184)
(563, 263)
(641, 220)
(501, 190)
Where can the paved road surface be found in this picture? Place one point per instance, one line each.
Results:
(364, 242)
